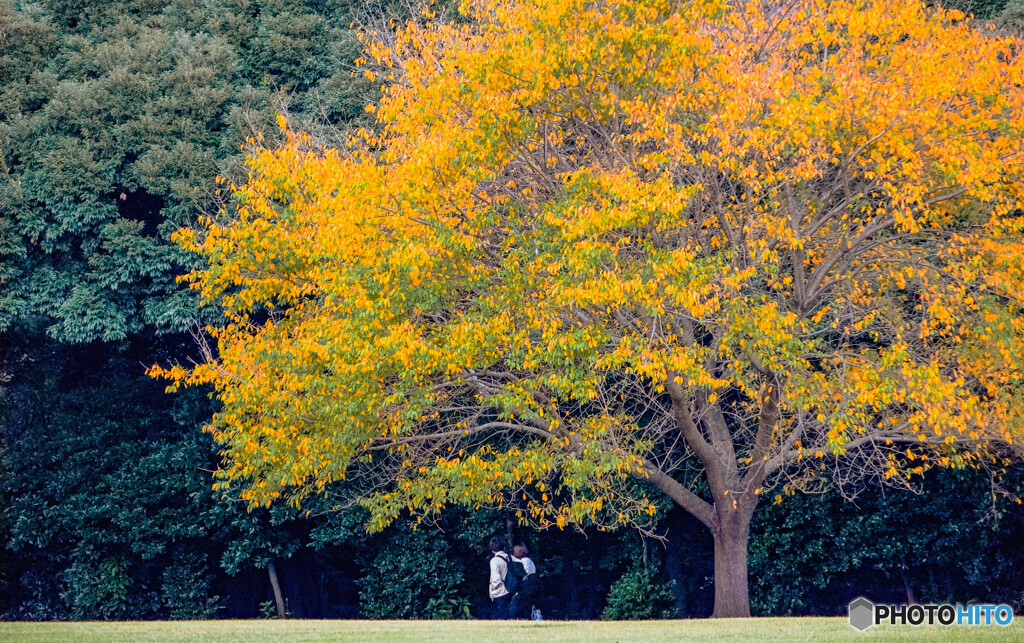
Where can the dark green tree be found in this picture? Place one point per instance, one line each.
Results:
(115, 119)
(950, 540)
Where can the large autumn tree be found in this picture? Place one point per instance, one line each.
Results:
(600, 248)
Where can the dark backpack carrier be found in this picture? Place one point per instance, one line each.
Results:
(515, 574)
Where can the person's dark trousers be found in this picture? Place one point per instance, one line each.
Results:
(520, 605)
(499, 607)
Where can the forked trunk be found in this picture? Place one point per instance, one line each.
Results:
(729, 522)
(732, 595)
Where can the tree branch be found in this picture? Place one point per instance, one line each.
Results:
(699, 508)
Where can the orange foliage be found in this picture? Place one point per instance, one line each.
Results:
(771, 235)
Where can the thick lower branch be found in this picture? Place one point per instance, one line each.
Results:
(691, 502)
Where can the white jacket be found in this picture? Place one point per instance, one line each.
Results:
(499, 568)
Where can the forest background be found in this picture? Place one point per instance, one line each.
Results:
(115, 117)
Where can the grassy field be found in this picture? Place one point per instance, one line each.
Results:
(749, 630)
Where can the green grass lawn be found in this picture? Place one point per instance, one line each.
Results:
(751, 630)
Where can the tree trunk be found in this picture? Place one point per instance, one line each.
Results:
(911, 599)
(732, 593)
(509, 523)
(729, 522)
(272, 571)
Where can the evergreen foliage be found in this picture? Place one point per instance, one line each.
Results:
(952, 540)
(115, 119)
(411, 576)
(638, 596)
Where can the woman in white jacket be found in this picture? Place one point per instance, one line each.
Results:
(522, 602)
